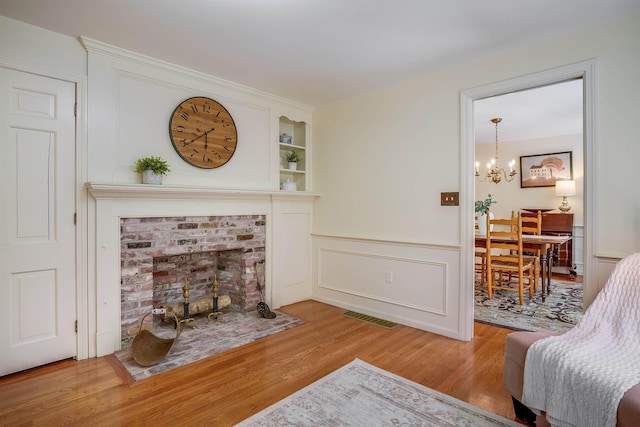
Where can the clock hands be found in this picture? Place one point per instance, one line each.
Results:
(206, 158)
(185, 142)
(206, 144)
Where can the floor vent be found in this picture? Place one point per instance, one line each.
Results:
(370, 319)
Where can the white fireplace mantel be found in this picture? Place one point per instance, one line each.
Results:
(288, 240)
(146, 191)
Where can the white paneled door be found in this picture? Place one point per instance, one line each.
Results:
(37, 232)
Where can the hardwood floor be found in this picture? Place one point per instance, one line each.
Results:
(227, 388)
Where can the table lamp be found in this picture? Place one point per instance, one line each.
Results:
(565, 188)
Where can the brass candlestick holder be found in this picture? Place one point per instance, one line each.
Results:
(217, 315)
(187, 319)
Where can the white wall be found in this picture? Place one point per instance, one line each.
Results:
(33, 46)
(382, 158)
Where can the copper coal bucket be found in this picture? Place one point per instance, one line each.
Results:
(148, 349)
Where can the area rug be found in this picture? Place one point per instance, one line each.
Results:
(206, 340)
(561, 310)
(360, 394)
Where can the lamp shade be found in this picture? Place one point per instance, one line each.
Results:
(566, 188)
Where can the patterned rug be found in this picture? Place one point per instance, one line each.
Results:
(360, 394)
(206, 340)
(560, 312)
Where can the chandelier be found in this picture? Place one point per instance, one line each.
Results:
(494, 172)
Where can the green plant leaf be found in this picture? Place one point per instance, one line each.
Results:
(156, 164)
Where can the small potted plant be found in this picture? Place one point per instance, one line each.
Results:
(152, 169)
(482, 207)
(293, 158)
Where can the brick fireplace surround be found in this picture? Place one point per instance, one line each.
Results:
(158, 254)
(285, 239)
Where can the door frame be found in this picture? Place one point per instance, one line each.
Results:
(83, 342)
(584, 70)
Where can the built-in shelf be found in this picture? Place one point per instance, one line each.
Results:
(285, 171)
(291, 146)
(293, 179)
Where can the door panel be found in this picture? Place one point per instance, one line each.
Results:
(34, 177)
(34, 317)
(37, 232)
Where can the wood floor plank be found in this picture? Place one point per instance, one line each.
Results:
(229, 387)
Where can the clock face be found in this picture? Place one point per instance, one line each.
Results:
(203, 132)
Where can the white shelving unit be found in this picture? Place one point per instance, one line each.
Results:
(298, 176)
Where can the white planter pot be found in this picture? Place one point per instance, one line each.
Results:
(482, 223)
(293, 166)
(148, 177)
(289, 186)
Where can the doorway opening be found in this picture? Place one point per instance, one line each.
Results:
(585, 71)
(541, 130)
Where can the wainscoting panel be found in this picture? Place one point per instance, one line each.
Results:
(414, 284)
(384, 278)
(604, 266)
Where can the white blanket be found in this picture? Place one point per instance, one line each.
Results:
(578, 378)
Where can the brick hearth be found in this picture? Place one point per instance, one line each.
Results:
(159, 254)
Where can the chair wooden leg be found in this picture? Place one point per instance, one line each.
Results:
(521, 288)
(483, 267)
(536, 275)
(489, 283)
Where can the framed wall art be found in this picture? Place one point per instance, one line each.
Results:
(542, 170)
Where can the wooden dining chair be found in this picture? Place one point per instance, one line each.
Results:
(480, 259)
(532, 224)
(507, 266)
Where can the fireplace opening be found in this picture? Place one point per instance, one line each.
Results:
(160, 255)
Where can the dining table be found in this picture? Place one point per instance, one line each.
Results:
(530, 241)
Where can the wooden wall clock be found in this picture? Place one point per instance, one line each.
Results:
(203, 132)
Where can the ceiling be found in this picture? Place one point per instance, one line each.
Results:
(536, 113)
(320, 51)
(317, 51)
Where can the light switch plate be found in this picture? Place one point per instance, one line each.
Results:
(450, 199)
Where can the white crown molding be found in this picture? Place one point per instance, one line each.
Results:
(99, 47)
